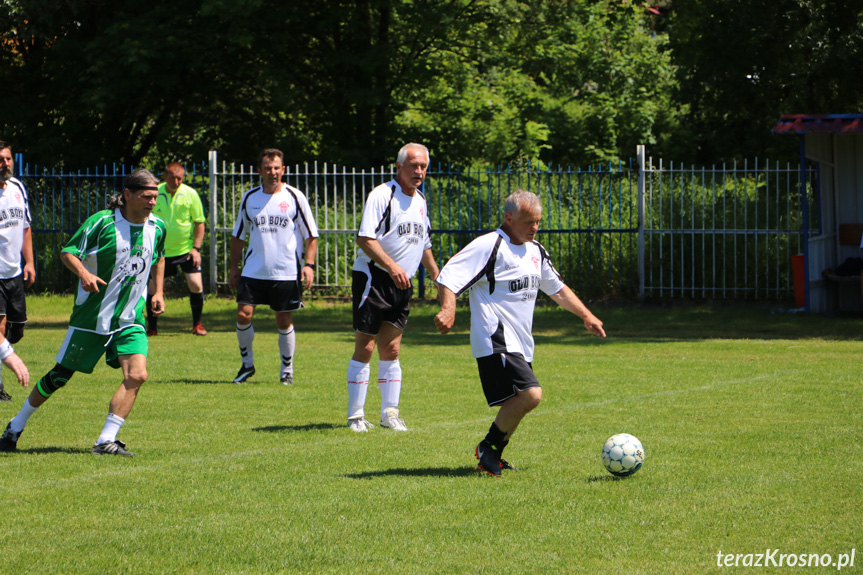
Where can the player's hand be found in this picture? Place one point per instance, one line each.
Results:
(308, 277)
(594, 326)
(90, 282)
(400, 277)
(14, 363)
(29, 275)
(195, 256)
(234, 278)
(158, 303)
(444, 321)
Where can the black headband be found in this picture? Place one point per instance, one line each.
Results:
(134, 187)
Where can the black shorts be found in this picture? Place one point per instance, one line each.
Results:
(279, 295)
(12, 303)
(502, 374)
(376, 299)
(183, 262)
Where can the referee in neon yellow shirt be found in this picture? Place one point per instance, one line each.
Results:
(180, 207)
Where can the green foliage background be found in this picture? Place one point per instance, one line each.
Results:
(577, 82)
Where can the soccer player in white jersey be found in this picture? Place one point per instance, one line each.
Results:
(16, 242)
(393, 239)
(279, 263)
(112, 255)
(504, 271)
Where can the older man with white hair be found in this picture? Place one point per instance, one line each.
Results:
(393, 239)
(504, 271)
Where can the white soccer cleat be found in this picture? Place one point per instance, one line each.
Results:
(392, 420)
(359, 425)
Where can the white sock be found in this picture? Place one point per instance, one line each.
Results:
(358, 386)
(390, 383)
(245, 337)
(19, 421)
(287, 345)
(113, 423)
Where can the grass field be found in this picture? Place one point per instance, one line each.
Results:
(751, 422)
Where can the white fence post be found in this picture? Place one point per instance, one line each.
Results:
(639, 152)
(214, 210)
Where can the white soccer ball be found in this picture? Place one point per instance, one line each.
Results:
(622, 454)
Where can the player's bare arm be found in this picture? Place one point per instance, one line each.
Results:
(158, 292)
(237, 246)
(372, 248)
(431, 267)
(567, 299)
(197, 239)
(445, 318)
(89, 282)
(27, 255)
(310, 251)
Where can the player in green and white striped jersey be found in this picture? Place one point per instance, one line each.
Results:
(112, 254)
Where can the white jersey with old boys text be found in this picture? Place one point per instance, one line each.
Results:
(504, 280)
(278, 225)
(399, 223)
(14, 219)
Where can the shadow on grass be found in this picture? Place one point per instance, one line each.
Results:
(654, 321)
(596, 478)
(306, 427)
(421, 472)
(190, 381)
(46, 450)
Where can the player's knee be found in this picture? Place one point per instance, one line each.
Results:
(14, 331)
(54, 380)
(136, 376)
(389, 351)
(532, 398)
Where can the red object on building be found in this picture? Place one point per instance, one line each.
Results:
(799, 280)
(819, 123)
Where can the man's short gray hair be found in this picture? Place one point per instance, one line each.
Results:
(522, 200)
(403, 153)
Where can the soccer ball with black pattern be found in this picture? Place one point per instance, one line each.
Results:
(622, 455)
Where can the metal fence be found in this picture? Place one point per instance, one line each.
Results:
(640, 229)
(726, 231)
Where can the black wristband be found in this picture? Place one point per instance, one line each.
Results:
(197, 248)
(308, 265)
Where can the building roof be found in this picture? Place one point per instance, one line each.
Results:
(819, 123)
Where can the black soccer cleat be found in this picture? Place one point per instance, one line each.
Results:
(9, 439)
(115, 447)
(489, 459)
(504, 464)
(244, 374)
(5, 396)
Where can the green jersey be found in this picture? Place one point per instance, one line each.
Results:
(121, 254)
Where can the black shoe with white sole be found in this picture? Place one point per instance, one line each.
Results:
(244, 374)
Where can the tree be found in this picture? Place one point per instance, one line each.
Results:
(94, 81)
(570, 82)
(104, 81)
(743, 63)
